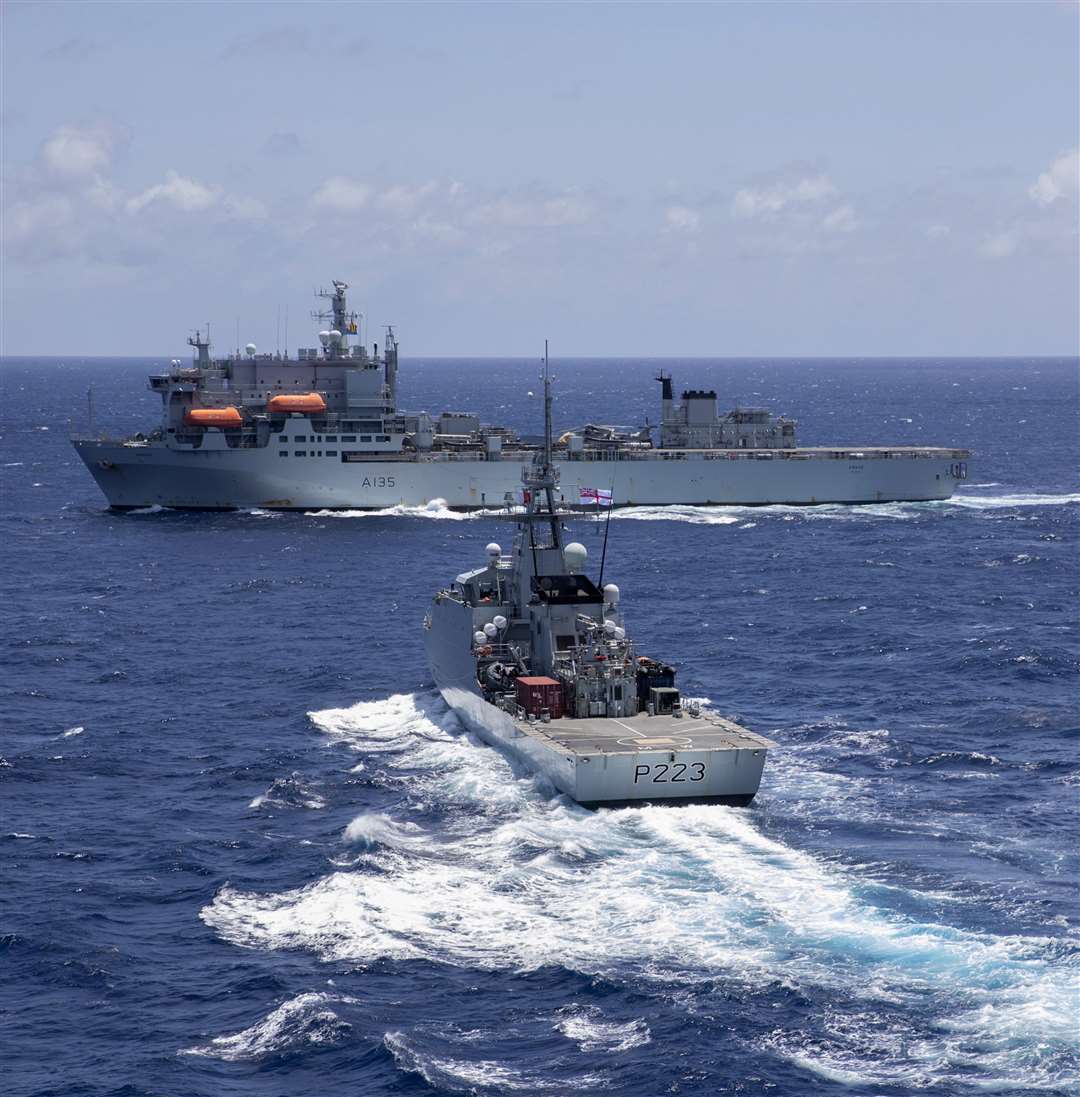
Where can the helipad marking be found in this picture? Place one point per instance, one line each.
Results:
(632, 731)
(657, 741)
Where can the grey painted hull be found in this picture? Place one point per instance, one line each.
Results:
(217, 477)
(593, 778)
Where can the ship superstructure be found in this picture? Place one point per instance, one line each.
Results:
(323, 430)
(535, 658)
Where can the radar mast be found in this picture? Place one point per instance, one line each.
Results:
(343, 322)
(542, 476)
(202, 347)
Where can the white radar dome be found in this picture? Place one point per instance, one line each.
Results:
(324, 337)
(499, 621)
(494, 550)
(575, 555)
(250, 348)
(335, 336)
(490, 630)
(611, 594)
(610, 627)
(620, 633)
(479, 637)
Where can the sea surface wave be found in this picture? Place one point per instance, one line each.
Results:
(247, 849)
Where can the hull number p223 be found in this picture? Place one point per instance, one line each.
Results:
(669, 772)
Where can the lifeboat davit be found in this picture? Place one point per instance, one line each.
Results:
(308, 403)
(213, 417)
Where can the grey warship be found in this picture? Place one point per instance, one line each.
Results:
(323, 431)
(534, 657)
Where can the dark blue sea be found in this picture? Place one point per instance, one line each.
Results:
(245, 849)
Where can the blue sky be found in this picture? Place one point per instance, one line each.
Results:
(710, 179)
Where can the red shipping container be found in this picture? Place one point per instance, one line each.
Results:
(535, 694)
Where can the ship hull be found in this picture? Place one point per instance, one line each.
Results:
(593, 778)
(132, 476)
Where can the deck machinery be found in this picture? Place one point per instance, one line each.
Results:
(534, 657)
(323, 430)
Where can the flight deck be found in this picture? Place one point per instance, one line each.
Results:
(647, 734)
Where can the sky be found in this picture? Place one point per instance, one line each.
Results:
(722, 180)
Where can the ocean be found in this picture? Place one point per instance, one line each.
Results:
(245, 848)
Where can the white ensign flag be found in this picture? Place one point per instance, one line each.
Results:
(595, 497)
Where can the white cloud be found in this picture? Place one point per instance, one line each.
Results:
(444, 208)
(842, 219)
(341, 194)
(403, 199)
(937, 232)
(77, 153)
(764, 201)
(188, 195)
(682, 219)
(1060, 180)
(567, 209)
(25, 222)
(1051, 230)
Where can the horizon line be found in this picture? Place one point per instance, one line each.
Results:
(611, 357)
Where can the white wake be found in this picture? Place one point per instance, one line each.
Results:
(520, 879)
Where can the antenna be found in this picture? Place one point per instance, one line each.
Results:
(277, 333)
(547, 410)
(286, 331)
(607, 528)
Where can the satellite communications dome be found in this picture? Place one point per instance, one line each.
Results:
(575, 554)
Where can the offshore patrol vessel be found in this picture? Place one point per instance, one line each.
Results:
(323, 430)
(533, 657)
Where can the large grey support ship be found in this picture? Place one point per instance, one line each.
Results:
(534, 658)
(323, 430)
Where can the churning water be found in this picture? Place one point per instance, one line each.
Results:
(246, 849)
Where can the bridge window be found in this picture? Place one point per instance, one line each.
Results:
(300, 453)
(300, 438)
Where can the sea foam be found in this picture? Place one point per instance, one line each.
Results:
(665, 895)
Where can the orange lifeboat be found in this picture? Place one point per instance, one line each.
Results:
(308, 403)
(213, 417)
